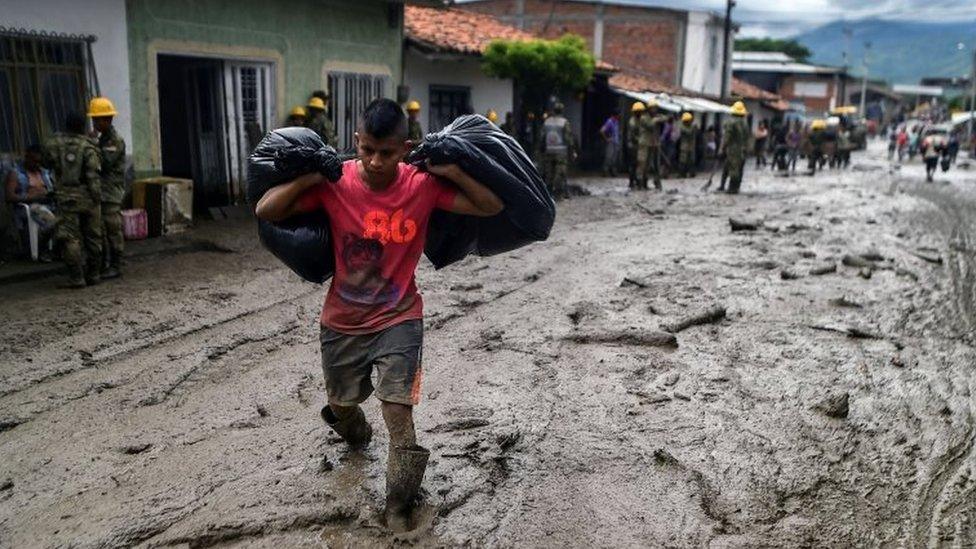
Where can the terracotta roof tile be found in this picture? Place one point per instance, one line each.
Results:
(639, 83)
(458, 31)
(748, 91)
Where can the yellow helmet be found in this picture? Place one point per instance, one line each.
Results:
(316, 103)
(637, 107)
(101, 106)
(818, 124)
(297, 111)
(739, 109)
(492, 116)
(687, 117)
(652, 104)
(413, 106)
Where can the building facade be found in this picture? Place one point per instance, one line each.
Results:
(810, 89)
(674, 47)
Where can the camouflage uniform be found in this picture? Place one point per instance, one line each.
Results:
(414, 132)
(74, 159)
(112, 156)
(815, 146)
(320, 124)
(735, 135)
(686, 150)
(557, 140)
(633, 130)
(649, 150)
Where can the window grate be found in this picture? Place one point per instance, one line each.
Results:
(42, 78)
(350, 93)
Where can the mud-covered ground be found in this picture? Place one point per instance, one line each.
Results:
(179, 406)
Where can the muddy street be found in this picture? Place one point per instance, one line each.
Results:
(648, 377)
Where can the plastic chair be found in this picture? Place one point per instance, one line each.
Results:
(33, 232)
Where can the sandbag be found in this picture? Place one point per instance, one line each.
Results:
(496, 160)
(302, 242)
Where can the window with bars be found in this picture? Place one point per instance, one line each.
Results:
(42, 78)
(446, 104)
(349, 94)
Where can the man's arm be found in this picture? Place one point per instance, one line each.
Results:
(473, 198)
(281, 202)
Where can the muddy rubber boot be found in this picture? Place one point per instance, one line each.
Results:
(354, 429)
(404, 474)
(111, 272)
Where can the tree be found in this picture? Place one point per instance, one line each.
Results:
(791, 47)
(541, 68)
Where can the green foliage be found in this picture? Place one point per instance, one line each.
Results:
(541, 67)
(792, 48)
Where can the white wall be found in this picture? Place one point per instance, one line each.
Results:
(486, 93)
(703, 70)
(103, 18)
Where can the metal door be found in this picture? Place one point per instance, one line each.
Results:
(205, 112)
(250, 113)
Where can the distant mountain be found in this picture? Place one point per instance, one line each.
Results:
(902, 52)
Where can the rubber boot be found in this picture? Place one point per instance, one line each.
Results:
(404, 474)
(354, 429)
(112, 271)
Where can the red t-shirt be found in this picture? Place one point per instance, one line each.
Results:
(378, 238)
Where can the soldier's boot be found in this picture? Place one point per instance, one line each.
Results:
(113, 269)
(404, 474)
(353, 428)
(93, 273)
(76, 277)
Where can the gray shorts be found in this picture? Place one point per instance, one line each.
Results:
(348, 362)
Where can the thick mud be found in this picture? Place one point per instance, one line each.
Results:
(645, 378)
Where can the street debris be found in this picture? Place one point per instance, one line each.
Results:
(714, 313)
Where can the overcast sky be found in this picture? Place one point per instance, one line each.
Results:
(787, 17)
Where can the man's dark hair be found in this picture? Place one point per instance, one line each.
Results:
(321, 94)
(33, 148)
(74, 122)
(384, 118)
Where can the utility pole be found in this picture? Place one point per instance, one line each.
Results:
(972, 99)
(729, 4)
(864, 79)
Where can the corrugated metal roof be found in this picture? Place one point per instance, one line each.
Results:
(915, 89)
(793, 67)
(763, 56)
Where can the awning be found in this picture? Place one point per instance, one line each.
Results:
(678, 103)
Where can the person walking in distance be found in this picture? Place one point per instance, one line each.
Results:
(610, 132)
(415, 133)
(559, 147)
(111, 150)
(686, 146)
(633, 133)
(815, 146)
(761, 135)
(74, 159)
(735, 140)
(318, 118)
(649, 146)
(372, 319)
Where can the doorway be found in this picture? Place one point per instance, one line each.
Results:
(191, 126)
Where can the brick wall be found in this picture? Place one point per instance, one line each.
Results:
(815, 105)
(642, 40)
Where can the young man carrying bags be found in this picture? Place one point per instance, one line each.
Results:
(373, 314)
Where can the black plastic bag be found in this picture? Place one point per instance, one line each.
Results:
(495, 159)
(302, 242)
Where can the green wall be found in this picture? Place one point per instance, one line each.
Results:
(305, 33)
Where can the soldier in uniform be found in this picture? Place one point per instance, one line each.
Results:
(318, 120)
(815, 146)
(415, 133)
(633, 130)
(74, 159)
(686, 147)
(509, 125)
(111, 150)
(649, 147)
(558, 146)
(296, 118)
(735, 141)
